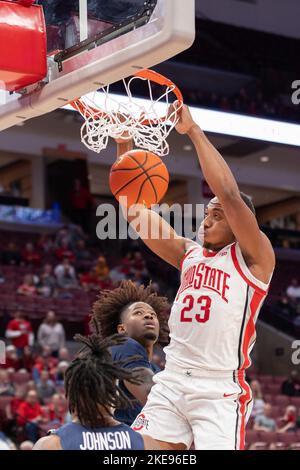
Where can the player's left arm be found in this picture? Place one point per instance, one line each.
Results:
(255, 246)
(141, 392)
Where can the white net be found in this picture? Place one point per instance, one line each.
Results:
(127, 117)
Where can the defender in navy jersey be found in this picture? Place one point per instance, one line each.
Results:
(135, 312)
(93, 393)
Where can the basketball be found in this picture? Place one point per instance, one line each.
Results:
(140, 176)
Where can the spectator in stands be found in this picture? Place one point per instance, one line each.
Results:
(12, 360)
(293, 291)
(45, 388)
(65, 251)
(2, 277)
(30, 415)
(126, 263)
(64, 354)
(19, 331)
(26, 445)
(101, 268)
(258, 401)
(137, 278)
(51, 333)
(134, 312)
(45, 243)
(90, 280)
(44, 361)
(47, 284)
(81, 252)
(286, 307)
(289, 420)
(65, 275)
(117, 275)
(291, 386)
(11, 255)
(60, 372)
(11, 411)
(138, 263)
(28, 359)
(56, 410)
(81, 203)
(62, 234)
(28, 287)
(264, 422)
(6, 387)
(30, 256)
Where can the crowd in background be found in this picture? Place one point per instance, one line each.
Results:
(60, 266)
(248, 100)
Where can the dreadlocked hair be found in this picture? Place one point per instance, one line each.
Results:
(91, 380)
(108, 308)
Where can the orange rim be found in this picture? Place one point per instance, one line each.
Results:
(146, 74)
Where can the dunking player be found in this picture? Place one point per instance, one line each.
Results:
(202, 394)
(93, 393)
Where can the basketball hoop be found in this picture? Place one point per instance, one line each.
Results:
(127, 117)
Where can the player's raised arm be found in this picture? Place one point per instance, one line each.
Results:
(256, 247)
(156, 233)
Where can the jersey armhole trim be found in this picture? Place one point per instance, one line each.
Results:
(239, 269)
(186, 255)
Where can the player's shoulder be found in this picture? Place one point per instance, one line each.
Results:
(191, 245)
(129, 347)
(51, 442)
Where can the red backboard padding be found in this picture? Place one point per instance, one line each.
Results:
(23, 52)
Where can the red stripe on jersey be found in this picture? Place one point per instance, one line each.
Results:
(246, 396)
(239, 269)
(185, 256)
(250, 328)
(244, 400)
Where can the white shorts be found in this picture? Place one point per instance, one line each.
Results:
(209, 410)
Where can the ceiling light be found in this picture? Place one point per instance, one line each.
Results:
(264, 159)
(187, 148)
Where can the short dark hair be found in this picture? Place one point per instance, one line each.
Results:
(108, 308)
(248, 201)
(92, 380)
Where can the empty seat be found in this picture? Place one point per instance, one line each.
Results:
(268, 398)
(276, 411)
(281, 400)
(251, 436)
(273, 389)
(258, 446)
(265, 378)
(287, 437)
(279, 446)
(268, 437)
(295, 446)
(295, 401)
(279, 379)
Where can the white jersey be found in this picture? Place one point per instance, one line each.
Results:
(212, 321)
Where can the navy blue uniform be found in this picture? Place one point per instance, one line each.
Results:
(74, 436)
(121, 353)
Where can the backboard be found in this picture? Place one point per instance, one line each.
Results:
(92, 43)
